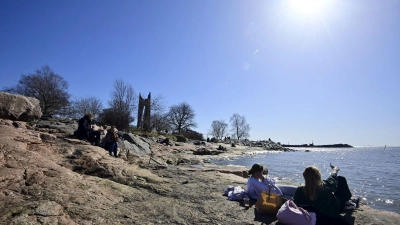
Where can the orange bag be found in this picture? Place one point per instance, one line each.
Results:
(269, 203)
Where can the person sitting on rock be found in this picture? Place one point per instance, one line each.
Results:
(328, 197)
(112, 141)
(85, 131)
(259, 182)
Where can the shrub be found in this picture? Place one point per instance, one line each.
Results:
(181, 138)
(214, 140)
(171, 137)
(193, 135)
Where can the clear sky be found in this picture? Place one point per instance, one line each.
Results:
(326, 71)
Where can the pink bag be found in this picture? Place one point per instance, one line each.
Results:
(290, 214)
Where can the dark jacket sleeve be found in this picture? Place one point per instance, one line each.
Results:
(300, 197)
(84, 125)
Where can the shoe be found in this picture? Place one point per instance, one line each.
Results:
(334, 167)
(356, 201)
(350, 205)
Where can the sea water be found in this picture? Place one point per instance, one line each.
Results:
(372, 173)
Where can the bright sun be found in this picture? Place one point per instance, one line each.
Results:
(308, 6)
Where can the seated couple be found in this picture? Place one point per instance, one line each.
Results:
(326, 197)
(259, 182)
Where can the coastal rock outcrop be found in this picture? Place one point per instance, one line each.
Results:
(19, 107)
(51, 180)
(136, 144)
(58, 128)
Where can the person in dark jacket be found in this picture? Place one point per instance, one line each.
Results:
(85, 131)
(327, 197)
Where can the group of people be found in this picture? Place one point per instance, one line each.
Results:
(86, 132)
(327, 198)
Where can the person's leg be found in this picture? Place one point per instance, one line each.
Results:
(342, 192)
(91, 138)
(115, 149)
(110, 147)
(96, 135)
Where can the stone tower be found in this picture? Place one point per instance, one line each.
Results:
(144, 108)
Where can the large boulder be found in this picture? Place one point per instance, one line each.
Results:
(19, 107)
(136, 144)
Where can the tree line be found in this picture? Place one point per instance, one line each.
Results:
(51, 90)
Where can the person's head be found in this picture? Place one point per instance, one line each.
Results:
(312, 179)
(89, 116)
(258, 169)
(113, 129)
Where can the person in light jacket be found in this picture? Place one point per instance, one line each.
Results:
(259, 182)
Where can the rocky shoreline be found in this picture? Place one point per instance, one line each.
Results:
(49, 178)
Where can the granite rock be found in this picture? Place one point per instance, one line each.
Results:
(19, 107)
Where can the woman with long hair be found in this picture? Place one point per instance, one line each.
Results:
(328, 197)
(259, 182)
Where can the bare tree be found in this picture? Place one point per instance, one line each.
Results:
(158, 118)
(218, 129)
(82, 106)
(47, 86)
(67, 111)
(157, 104)
(240, 128)
(107, 116)
(181, 117)
(159, 122)
(122, 105)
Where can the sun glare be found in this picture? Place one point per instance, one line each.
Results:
(308, 7)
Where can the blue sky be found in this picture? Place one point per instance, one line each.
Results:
(323, 71)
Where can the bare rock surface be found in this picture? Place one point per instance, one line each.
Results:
(47, 179)
(136, 144)
(58, 128)
(19, 107)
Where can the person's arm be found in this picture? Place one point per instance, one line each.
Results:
(300, 198)
(297, 197)
(86, 125)
(257, 186)
(268, 181)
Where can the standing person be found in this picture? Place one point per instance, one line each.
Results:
(327, 197)
(259, 182)
(112, 141)
(85, 130)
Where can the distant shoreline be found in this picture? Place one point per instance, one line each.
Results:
(319, 146)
